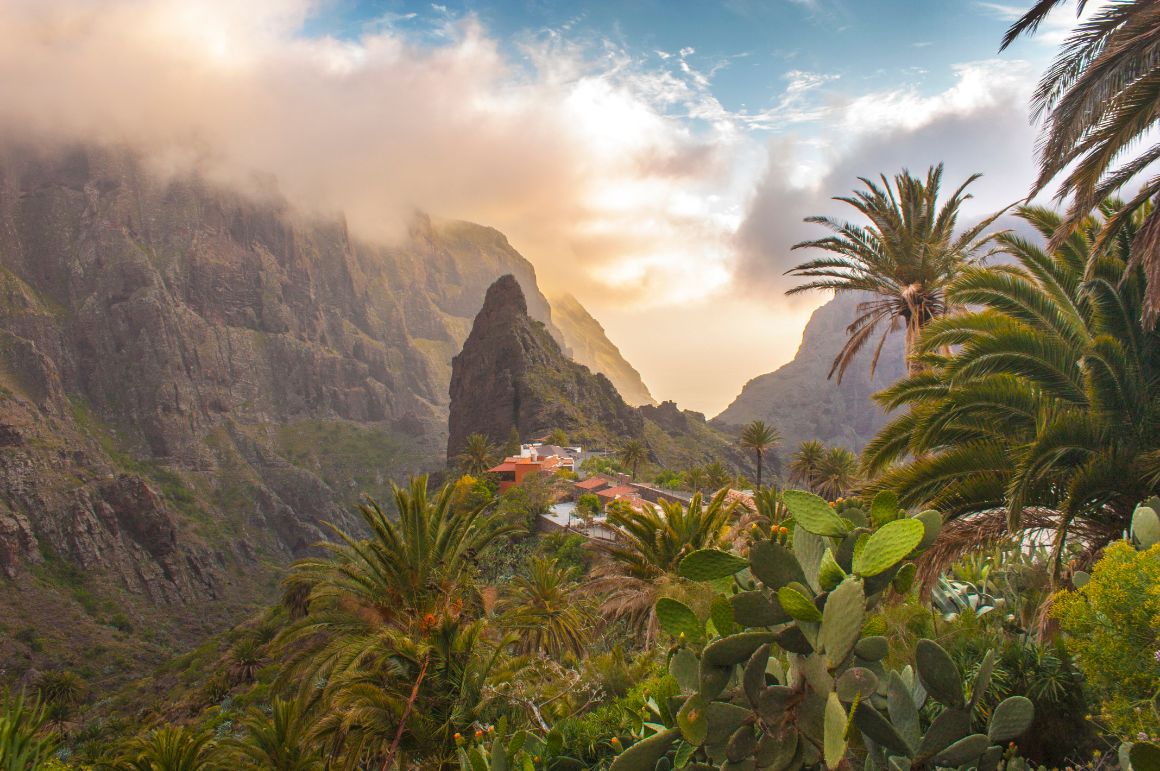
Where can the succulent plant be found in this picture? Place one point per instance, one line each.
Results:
(1145, 532)
(799, 676)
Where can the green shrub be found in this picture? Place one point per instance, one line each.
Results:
(1113, 629)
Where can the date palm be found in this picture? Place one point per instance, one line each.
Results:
(390, 617)
(695, 478)
(805, 464)
(1098, 101)
(837, 473)
(1045, 415)
(903, 258)
(545, 613)
(278, 741)
(717, 476)
(633, 453)
(650, 543)
(169, 748)
(759, 439)
(478, 455)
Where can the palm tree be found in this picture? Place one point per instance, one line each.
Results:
(1045, 415)
(695, 478)
(649, 545)
(278, 741)
(558, 437)
(838, 473)
(389, 627)
(632, 454)
(169, 748)
(1098, 102)
(759, 438)
(904, 258)
(717, 476)
(24, 743)
(478, 455)
(805, 464)
(545, 613)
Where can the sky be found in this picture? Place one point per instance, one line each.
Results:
(653, 158)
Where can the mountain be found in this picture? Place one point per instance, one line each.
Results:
(512, 373)
(192, 381)
(590, 346)
(803, 404)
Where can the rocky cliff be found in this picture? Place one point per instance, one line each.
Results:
(512, 373)
(193, 380)
(800, 400)
(590, 346)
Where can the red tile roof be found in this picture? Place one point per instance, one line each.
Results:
(617, 492)
(592, 483)
(502, 468)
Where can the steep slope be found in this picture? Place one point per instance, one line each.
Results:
(803, 404)
(591, 347)
(192, 381)
(512, 373)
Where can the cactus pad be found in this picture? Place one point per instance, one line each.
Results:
(1010, 719)
(710, 565)
(813, 514)
(887, 546)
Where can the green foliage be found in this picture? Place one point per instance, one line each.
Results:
(790, 693)
(168, 748)
(1113, 629)
(25, 742)
(588, 504)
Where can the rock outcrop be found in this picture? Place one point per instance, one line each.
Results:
(192, 380)
(512, 373)
(589, 345)
(803, 404)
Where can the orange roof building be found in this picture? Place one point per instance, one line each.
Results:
(514, 470)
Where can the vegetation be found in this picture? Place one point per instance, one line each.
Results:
(905, 258)
(1097, 102)
(478, 455)
(759, 439)
(632, 454)
(1043, 413)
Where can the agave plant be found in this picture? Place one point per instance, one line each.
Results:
(25, 742)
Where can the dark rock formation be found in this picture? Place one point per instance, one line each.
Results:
(512, 373)
(803, 404)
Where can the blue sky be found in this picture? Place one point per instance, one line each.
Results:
(655, 159)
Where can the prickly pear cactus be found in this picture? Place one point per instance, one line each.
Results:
(1145, 532)
(799, 680)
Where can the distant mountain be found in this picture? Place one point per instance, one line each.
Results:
(193, 380)
(590, 346)
(803, 404)
(512, 373)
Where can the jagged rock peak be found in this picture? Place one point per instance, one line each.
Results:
(504, 298)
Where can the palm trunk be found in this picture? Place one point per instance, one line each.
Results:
(758, 471)
(913, 329)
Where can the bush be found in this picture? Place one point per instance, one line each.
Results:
(1113, 629)
(567, 549)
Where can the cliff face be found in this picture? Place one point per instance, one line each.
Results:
(512, 373)
(592, 348)
(192, 381)
(803, 404)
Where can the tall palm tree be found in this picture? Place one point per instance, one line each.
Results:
(1046, 415)
(633, 453)
(805, 464)
(760, 439)
(545, 613)
(478, 455)
(279, 741)
(903, 258)
(649, 545)
(838, 473)
(1098, 101)
(390, 616)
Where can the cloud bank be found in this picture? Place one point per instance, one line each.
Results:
(619, 174)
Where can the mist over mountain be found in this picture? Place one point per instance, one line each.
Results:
(193, 380)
